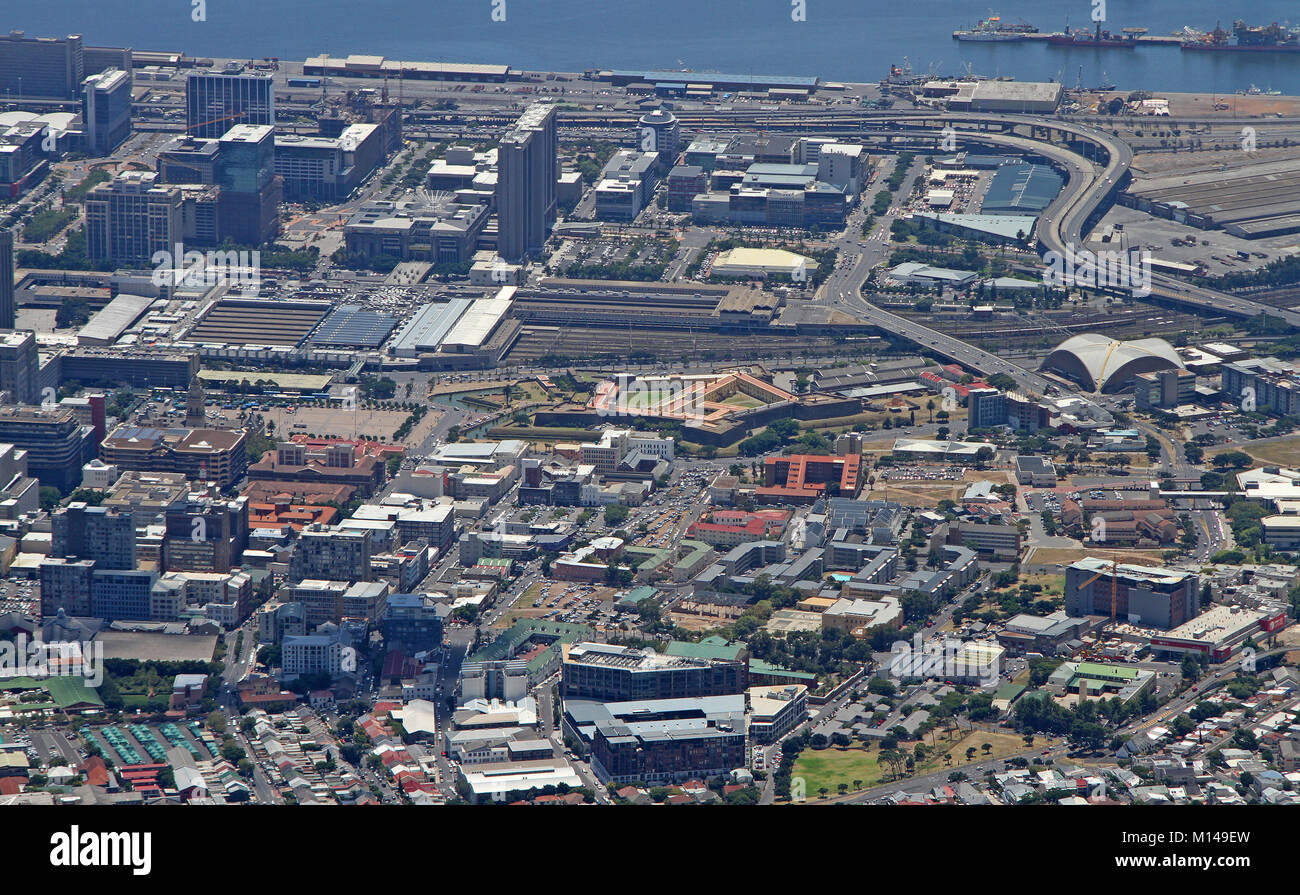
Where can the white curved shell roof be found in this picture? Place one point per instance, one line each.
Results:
(1103, 357)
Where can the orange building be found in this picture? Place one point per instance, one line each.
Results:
(803, 478)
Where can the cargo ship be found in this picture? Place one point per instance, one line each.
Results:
(1080, 38)
(994, 29)
(1245, 38)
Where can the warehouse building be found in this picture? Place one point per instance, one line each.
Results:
(1002, 229)
(254, 322)
(914, 273)
(1218, 631)
(708, 81)
(358, 65)
(473, 330)
(424, 332)
(1250, 201)
(110, 321)
(1021, 190)
(349, 326)
(761, 263)
(1023, 97)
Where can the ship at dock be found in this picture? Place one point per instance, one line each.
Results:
(1124, 39)
(1245, 38)
(994, 29)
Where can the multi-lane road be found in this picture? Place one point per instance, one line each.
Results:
(842, 291)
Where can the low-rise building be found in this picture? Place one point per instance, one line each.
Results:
(775, 711)
(857, 617)
(1037, 472)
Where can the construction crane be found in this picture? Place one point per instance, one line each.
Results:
(1114, 585)
(216, 120)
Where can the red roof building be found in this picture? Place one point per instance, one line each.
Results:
(296, 515)
(803, 478)
(727, 528)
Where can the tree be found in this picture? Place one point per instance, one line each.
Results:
(881, 686)
(50, 497)
(167, 778)
(1234, 459)
(893, 760)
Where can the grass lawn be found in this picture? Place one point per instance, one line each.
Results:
(1053, 585)
(827, 768)
(1284, 452)
(875, 418)
(543, 433)
(697, 450)
(831, 766)
(1066, 555)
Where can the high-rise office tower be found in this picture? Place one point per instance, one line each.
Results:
(526, 165)
(250, 190)
(189, 160)
(131, 217)
(79, 531)
(57, 444)
(41, 67)
(659, 131)
(8, 310)
(215, 101)
(19, 366)
(106, 110)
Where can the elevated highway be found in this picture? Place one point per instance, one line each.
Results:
(1092, 177)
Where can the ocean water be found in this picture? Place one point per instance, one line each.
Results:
(854, 40)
